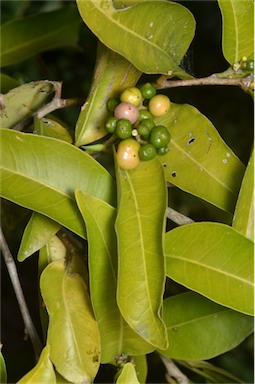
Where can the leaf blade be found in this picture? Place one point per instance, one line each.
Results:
(190, 317)
(198, 160)
(72, 334)
(238, 29)
(27, 37)
(162, 32)
(139, 228)
(116, 336)
(243, 220)
(205, 257)
(42, 173)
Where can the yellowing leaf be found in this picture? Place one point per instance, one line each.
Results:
(43, 372)
(73, 333)
(127, 375)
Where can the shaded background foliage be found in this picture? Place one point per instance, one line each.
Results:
(229, 109)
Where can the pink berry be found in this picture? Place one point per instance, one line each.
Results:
(127, 111)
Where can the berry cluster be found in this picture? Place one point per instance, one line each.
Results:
(133, 123)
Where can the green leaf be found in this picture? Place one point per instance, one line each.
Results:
(112, 75)
(43, 372)
(238, 29)
(140, 225)
(3, 374)
(214, 260)
(116, 336)
(127, 375)
(193, 321)
(140, 363)
(24, 38)
(199, 161)
(160, 31)
(244, 213)
(51, 128)
(21, 102)
(73, 333)
(42, 173)
(7, 83)
(37, 233)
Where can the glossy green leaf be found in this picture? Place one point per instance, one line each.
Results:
(127, 375)
(21, 102)
(7, 83)
(3, 374)
(42, 173)
(116, 336)
(73, 333)
(238, 29)
(24, 38)
(199, 161)
(141, 367)
(43, 372)
(51, 128)
(140, 225)
(39, 230)
(160, 31)
(244, 213)
(193, 321)
(112, 75)
(214, 260)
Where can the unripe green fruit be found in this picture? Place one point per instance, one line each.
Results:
(147, 152)
(160, 136)
(131, 95)
(111, 123)
(112, 103)
(127, 154)
(250, 65)
(144, 114)
(162, 151)
(145, 127)
(123, 129)
(126, 111)
(148, 91)
(159, 105)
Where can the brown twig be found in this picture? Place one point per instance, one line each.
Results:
(12, 270)
(244, 83)
(173, 371)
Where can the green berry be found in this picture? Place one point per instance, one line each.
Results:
(145, 127)
(162, 151)
(112, 103)
(159, 105)
(127, 111)
(111, 123)
(127, 154)
(123, 129)
(143, 131)
(148, 91)
(147, 152)
(131, 95)
(250, 65)
(159, 136)
(144, 114)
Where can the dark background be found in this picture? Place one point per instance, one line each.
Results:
(229, 109)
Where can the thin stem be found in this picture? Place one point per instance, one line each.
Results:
(57, 103)
(244, 83)
(174, 371)
(178, 217)
(12, 270)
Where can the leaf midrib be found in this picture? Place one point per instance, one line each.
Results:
(206, 266)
